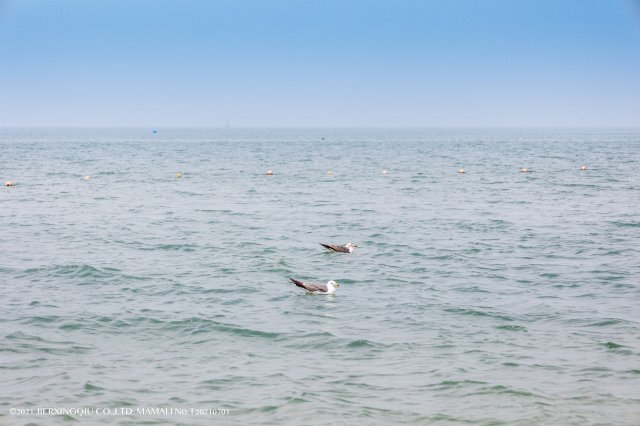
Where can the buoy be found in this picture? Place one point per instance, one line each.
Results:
(384, 172)
(87, 177)
(178, 174)
(269, 172)
(461, 171)
(583, 168)
(9, 183)
(524, 170)
(330, 172)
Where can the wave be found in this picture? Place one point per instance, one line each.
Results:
(634, 224)
(362, 343)
(82, 273)
(511, 327)
(477, 313)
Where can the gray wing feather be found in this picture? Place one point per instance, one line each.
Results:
(318, 287)
(339, 249)
(310, 286)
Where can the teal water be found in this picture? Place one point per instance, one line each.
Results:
(493, 297)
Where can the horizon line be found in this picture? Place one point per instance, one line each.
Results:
(506, 127)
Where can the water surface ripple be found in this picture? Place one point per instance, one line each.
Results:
(494, 297)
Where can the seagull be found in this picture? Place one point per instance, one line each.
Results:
(347, 248)
(328, 288)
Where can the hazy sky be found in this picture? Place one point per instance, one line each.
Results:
(319, 63)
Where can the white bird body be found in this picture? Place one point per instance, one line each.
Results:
(331, 287)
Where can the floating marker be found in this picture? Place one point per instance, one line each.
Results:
(269, 172)
(178, 174)
(461, 171)
(524, 170)
(87, 177)
(329, 172)
(384, 172)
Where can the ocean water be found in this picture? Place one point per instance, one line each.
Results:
(493, 297)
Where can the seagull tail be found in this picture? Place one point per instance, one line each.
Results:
(327, 246)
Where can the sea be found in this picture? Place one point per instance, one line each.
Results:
(144, 276)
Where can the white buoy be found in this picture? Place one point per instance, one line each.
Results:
(269, 172)
(461, 171)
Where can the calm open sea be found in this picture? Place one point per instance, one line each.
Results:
(493, 297)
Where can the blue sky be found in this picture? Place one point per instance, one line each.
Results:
(320, 63)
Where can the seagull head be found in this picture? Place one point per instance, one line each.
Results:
(332, 284)
(350, 245)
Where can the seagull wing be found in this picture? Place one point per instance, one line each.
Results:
(333, 247)
(309, 286)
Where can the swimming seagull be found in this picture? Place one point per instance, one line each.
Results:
(328, 288)
(347, 248)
